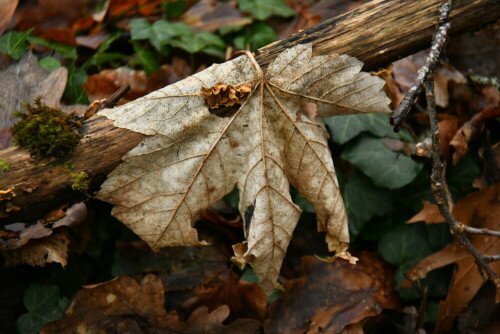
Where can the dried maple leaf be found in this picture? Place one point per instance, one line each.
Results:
(195, 157)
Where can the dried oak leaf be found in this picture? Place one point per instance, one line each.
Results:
(194, 157)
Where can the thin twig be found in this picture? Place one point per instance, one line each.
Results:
(475, 230)
(492, 258)
(438, 41)
(441, 192)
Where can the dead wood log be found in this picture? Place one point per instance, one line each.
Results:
(377, 33)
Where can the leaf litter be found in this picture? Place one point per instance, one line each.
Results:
(480, 210)
(194, 157)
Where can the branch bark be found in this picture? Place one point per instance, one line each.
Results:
(377, 33)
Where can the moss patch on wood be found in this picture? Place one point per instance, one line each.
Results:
(4, 165)
(81, 182)
(46, 132)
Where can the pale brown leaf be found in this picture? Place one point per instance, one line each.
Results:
(197, 154)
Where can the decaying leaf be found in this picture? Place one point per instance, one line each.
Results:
(124, 305)
(195, 157)
(330, 297)
(479, 210)
(25, 81)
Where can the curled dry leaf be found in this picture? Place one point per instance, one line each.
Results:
(47, 242)
(470, 130)
(194, 157)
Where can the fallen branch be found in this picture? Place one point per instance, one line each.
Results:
(377, 33)
(437, 46)
(442, 194)
(439, 186)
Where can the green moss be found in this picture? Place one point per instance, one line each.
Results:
(81, 182)
(4, 165)
(46, 132)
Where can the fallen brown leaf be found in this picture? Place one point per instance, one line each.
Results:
(104, 84)
(210, 15)
(329, 297)
(26, 80)
(303, 19)
(124, 304)
(245, 300)
(7, 8)
(470, 130)
(39, 244)
(476, 52)
(429, 214)
(491, 170)
(480, 210)
(50, 15)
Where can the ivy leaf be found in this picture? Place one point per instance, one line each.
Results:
(346, 127)
(386, 168)
(14, 43)
(67, 51)
(44, 304)
(234, 125)
(364, 201)
(257, 35)
(148, 59)
(49, 63)
(262, 9)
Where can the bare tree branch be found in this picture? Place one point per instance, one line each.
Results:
(441, 192)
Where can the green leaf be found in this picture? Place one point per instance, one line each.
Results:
(438, 236)
(147, 59)
(43, 304)
(233, 198)
(165, 30)
(262, 9)
(49, 63)
(197, 42)
(257, 35)
(386, 168)
(102, 58)
(345, 127)
(405, 244)
(67, 51)
(249, 275)
(74, 89)
(229, 29)
(413, 194)
(174, 8)
(303, 203)
(14, 43)
(460, 177)
(140, 29)
(364, 201)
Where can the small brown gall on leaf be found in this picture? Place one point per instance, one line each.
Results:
(224, 100)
